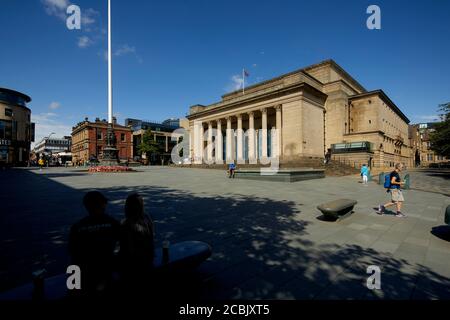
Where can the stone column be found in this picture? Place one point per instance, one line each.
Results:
(240, 142)
(167, 143)
(279, 146)
(229, 140)
(198, 142)
(251, 138)
(191, 145)
(219, 143)
(202, 142)
(264, 133)
(210, 142)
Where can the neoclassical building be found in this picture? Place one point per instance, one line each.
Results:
(301, 114)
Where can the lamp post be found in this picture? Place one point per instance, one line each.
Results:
(49, 150)
(110, 151)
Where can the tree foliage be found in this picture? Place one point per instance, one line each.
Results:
(148, 145)
(440, 138)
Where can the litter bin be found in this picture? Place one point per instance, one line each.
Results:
(406, 186)
(381, 178)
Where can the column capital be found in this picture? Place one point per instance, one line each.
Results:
(219, 121)
(239, 116)
(278, 107)
(263, 110)
(251, 113)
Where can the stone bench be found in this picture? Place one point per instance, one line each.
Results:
(183, 256)
(337, 209)
(280, 175)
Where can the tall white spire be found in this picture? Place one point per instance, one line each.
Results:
(110, 97)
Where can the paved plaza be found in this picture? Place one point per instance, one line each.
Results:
(267, 240)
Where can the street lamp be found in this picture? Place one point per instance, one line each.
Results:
(49, 150)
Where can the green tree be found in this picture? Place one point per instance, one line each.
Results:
(148, 146)
(440, 138)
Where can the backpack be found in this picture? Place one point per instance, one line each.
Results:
(387, 181)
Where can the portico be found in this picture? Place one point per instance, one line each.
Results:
(251, 128)
(245, 137)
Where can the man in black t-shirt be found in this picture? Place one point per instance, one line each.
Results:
(396, 192)
(92, 242)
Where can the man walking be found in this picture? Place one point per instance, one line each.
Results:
(396, 192)
(231, 169)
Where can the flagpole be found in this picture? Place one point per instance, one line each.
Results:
(110, 104)
(243, 81)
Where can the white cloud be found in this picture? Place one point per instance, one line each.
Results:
(58, 8)
(124, 49)
(84, 42)
(54, 105)
(48, 122)
(87, 16)
(236, 83)
(426, 118)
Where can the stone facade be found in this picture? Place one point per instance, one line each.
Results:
(300, 114)
(427, 156)
(16, 128)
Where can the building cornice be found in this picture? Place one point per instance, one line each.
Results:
(339, 69)
(277, 92)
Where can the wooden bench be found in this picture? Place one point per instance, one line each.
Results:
(183, 256)
(337, 209)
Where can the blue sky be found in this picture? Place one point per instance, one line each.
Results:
(169, 55)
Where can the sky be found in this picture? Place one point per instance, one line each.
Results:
(169, 55)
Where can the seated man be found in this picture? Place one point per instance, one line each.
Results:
(231, 169)
(92, 242)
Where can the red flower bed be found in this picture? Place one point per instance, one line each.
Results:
(110, 169)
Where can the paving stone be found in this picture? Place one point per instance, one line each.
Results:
(267, 241)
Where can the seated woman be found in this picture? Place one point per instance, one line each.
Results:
(136, 243)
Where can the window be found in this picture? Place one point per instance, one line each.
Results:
(370, 121)
(8, 112)
(5, 130)
(122, 137)
(99, 136)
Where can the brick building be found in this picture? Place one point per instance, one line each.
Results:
(89, 139)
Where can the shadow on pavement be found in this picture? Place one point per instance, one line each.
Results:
(260, 246)
(442, 232)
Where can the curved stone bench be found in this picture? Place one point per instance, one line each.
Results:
(183, 256)
(337, 209)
